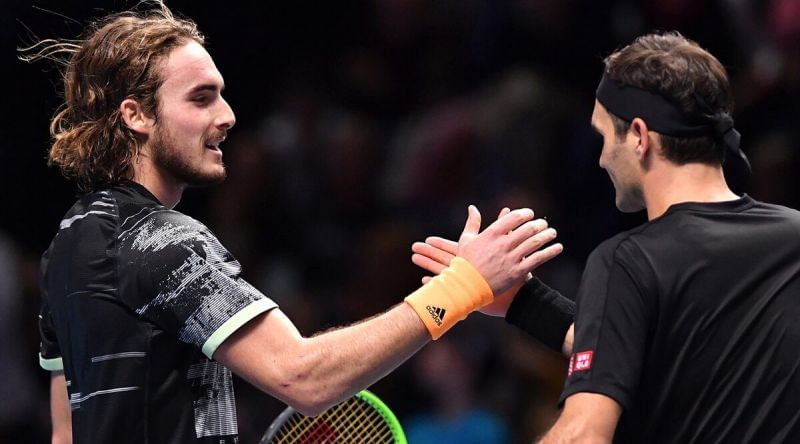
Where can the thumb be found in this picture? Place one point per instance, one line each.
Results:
(473, 225)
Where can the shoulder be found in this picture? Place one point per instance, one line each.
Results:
(634, 251)
(776, 210)
(622, 245)
(158, 227)
(91, 209)
(158, 233)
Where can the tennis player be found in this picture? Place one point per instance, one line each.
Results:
(686, 328)
(144, 313)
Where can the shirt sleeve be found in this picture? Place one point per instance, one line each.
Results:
(193, 284)
(614, 313)
(49, 351)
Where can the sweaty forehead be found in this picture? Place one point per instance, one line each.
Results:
(188, 66)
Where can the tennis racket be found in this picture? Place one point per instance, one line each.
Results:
(362, 419)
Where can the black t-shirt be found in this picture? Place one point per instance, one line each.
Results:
(135, 300)
(692, 323)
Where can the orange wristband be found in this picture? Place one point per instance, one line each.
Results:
(450, 297)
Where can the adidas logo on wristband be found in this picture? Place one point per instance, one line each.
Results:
(437, 313)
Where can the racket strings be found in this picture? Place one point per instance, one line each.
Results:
(353, 421)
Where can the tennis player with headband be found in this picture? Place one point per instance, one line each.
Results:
(144, 313)
(686, 327)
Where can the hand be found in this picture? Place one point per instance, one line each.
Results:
(436, 253)
(504, 253)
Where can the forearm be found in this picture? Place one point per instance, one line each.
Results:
(311, 374)
(314, 373)
(344, 360)
(545, 314)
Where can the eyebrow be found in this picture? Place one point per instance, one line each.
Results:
(212, 87)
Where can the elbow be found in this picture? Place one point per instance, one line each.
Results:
(310, 409)
(302, 397)
(305, 390)
(308, 396)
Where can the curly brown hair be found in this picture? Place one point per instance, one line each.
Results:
(119, 58)
(681, 71)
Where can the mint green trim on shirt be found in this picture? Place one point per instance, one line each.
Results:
(51, 365)
(234, 323)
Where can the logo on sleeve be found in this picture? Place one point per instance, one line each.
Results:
(580, 362)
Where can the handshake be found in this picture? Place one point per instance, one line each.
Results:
(483, 270)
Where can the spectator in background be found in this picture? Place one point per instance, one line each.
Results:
(449, 373)
(18, 389)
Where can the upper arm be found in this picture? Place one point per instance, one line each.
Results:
(615, 314)
(60, 412)
(586, 418)
(187, 283)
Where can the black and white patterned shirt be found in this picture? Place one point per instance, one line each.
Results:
(135, 300)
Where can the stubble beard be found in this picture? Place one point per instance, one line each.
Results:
(168, 156)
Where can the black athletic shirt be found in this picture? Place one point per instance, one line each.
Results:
(692, 323)
(135, 300)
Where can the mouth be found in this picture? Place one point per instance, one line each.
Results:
(214, 144)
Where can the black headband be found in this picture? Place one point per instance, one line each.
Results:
(628, 102)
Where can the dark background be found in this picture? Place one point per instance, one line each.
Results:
(364, 126)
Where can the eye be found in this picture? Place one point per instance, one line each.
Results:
(202, 99)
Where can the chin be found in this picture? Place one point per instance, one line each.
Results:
(207, 178)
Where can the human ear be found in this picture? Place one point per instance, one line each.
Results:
(134, 117)
(640, 131)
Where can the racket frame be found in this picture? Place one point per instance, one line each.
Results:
(366, 396)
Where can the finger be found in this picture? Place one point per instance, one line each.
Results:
(427, 263)
(443, 244)
(503, 212)
(426, 279)
(511, 220)
(432, 252)
(540, 257)
(473, 225)
(535, 242)
(526, 232)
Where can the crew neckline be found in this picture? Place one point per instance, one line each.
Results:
(742, 203)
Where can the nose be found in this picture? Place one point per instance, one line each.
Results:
(226, 118)
(602, 160)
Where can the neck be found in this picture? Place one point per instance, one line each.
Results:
(693, 182)
(163, 186)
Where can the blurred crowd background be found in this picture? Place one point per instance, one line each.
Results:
(366, 125)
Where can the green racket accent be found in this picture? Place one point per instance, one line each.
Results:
(386, 413)
(362, 419)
